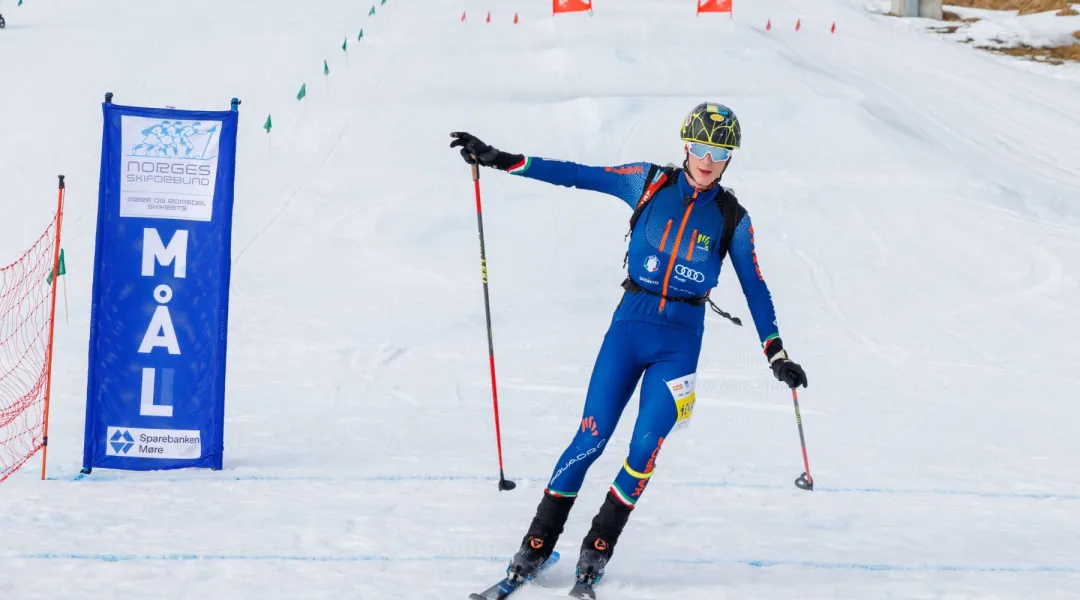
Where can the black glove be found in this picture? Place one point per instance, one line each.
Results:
(789, 372)
(487, 156)
(785, 369)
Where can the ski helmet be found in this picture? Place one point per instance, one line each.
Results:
(713, 124)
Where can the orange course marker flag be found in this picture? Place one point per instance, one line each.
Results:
(568, 6)
(714, 6)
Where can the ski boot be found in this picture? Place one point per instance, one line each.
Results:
(539, 542)
(598, 545)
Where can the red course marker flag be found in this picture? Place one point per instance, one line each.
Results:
(568, 6)
(715, 6)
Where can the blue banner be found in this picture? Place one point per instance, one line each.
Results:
(155, 395)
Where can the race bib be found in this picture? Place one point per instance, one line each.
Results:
(682, 390)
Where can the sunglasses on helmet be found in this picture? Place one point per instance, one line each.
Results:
(718, 154)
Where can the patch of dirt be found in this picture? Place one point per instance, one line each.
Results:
(1026, 7)
(951, 16)
(1054, 55)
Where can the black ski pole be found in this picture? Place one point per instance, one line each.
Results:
(504, 483)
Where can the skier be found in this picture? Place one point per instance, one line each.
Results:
(3, 23)
(677, 243)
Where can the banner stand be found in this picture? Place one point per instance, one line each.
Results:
(155, 396)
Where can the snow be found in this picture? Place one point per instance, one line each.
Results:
(1007, 29)
(998, 29)
(916, 212)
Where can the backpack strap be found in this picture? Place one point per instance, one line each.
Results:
(656, 179)
(733, 213)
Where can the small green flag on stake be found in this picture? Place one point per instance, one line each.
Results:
(325, 68)
(361, 36)
(63, 268)
(20, 2)
(303, 92)
(383, 2)
(269, 124)
(345, 46)
(63, 271)
(371, 13)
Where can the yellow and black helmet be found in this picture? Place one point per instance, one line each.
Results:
(713, 124)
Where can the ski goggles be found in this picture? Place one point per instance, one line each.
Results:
(718, 154)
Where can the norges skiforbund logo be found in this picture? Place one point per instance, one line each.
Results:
(169, 167)
(177, 139)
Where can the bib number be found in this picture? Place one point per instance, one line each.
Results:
(682, 391)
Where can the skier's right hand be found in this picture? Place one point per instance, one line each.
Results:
(474, 151)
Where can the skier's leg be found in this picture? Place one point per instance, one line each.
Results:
(614, 377)
(667, 398)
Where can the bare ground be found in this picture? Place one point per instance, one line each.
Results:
(1026, 7)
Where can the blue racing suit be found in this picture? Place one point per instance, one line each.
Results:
(672, 252)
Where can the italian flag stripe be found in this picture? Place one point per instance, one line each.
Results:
(772, 337)
(560, 494)
(521, 167)
(625, 499)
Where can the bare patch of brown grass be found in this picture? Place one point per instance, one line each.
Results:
(951, 16)
(1067, 12)
(1026, 7)
(1055, 55)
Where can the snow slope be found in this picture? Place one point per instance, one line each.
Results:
(916, 215)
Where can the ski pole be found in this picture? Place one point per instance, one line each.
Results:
(805, 481)
(504, 483)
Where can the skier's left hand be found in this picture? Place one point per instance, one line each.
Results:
(785, 369)
(789, 372)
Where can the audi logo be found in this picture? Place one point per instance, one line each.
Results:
(689, 273)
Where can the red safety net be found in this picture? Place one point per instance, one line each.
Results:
(26, 309)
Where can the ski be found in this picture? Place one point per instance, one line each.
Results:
(584, 591)
(504, 588)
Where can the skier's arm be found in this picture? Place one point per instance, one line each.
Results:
(626, 182)
(744, 260)
(758, 298)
